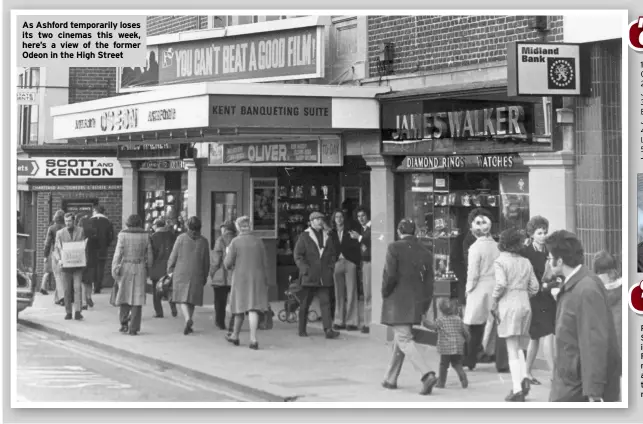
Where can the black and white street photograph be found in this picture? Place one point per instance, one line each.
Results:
(400, 210)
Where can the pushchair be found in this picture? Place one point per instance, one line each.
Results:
(290, 312)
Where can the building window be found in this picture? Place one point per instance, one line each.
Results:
(226, 21)
(28, 115)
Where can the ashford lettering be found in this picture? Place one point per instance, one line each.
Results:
(85, 123)
(78, 168)
(279, 52)
(121, 119)
(488, 122)
(161, 115)
(537, 54)
(270, 110)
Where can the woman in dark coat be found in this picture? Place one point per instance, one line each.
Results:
(162, 243)
(247, 260)
(221, 277)
(132, 260)
(189, 265)
(543, 305)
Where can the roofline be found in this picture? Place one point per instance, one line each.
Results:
(210, 88)
(69, 148)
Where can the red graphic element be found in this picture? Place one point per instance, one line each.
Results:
(636, 298)
(635, 34)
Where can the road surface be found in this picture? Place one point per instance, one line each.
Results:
(52, 369)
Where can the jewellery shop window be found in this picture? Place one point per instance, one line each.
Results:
(440, 205)
(164, 196)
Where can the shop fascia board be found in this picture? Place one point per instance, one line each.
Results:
(237, 30)
(183, 91)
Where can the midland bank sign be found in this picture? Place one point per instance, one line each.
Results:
(452, 126)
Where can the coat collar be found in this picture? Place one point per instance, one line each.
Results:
(99, 215)
(569, 285)
(313, 237)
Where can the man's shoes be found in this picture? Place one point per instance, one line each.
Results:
(388, 385)
(97, 291)
(365, 330)
(158, 315)
(428, 382)
(303, 334)
(44, 292)
(351, 328)
(84, 308)
(90, 303)
(68, 316)
(332, 334)
(78, 316)
(339, 327)
(173, 309)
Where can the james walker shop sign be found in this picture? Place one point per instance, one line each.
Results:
(544, 69)
(81, 168)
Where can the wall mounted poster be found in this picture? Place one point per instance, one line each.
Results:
(263, 204)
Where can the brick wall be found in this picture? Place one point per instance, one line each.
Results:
(87, 84)
(112, 200)
(427, 43)
(157, 25)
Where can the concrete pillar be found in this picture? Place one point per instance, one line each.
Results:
(193, 187)
(382, 231)
(130, 189)
(551, 179)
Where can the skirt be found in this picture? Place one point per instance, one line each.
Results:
(543, 315)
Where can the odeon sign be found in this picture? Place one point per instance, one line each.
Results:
(119, 119)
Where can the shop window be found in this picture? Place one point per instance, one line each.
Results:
(223, 208)
(440, 203)
(28, 115)
(163, 195)
(226, 21)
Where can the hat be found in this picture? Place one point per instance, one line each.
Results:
(406, 227)
(229, 225)
(316, 215)
(160, 222)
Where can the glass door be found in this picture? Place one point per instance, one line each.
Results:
(223, 208)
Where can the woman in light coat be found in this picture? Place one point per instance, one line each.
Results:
(189, 265)
(132, 260)
(480, 282)
(515, 284)
(52, 268)
(221, 277)
(248, 261)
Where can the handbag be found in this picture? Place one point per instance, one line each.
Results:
(164, 287)
(267, 322)
(114, 294)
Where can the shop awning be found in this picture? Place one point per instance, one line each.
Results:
(222, 110)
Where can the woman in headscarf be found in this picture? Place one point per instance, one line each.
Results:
(480, 281)
(189, 265)
(52, 269)
(515, 284)
(132, 259)
(248, 261)
(221, 277)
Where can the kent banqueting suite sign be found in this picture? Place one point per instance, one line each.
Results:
(289, 54)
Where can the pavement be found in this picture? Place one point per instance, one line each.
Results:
(286, 367)
(54, 369)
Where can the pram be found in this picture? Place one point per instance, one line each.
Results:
(290, 312)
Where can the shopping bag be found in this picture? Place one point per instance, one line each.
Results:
(490, 336)
(266, 320)
(114, 294)
(164, 287)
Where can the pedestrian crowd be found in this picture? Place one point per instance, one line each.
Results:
(518, 293)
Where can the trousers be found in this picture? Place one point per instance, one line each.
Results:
(307, 295)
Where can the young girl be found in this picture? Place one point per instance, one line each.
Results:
(452, 335)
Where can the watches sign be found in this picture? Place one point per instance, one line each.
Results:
(544, 69)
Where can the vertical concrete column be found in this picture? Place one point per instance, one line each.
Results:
(552, 179)
(382, 231)
(193, 188)
(130, 188)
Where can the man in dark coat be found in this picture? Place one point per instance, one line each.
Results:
(103, 235)
(315, 256)
(364, 239)
(407, 290)
(162, 243)
(588, 360)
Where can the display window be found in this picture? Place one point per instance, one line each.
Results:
(163, 195)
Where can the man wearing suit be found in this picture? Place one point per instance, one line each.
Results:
(348, 258)
(588, 360)
(407, 290)
(98, 245)
(364, 239)
(315, 255)
(72, 277)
